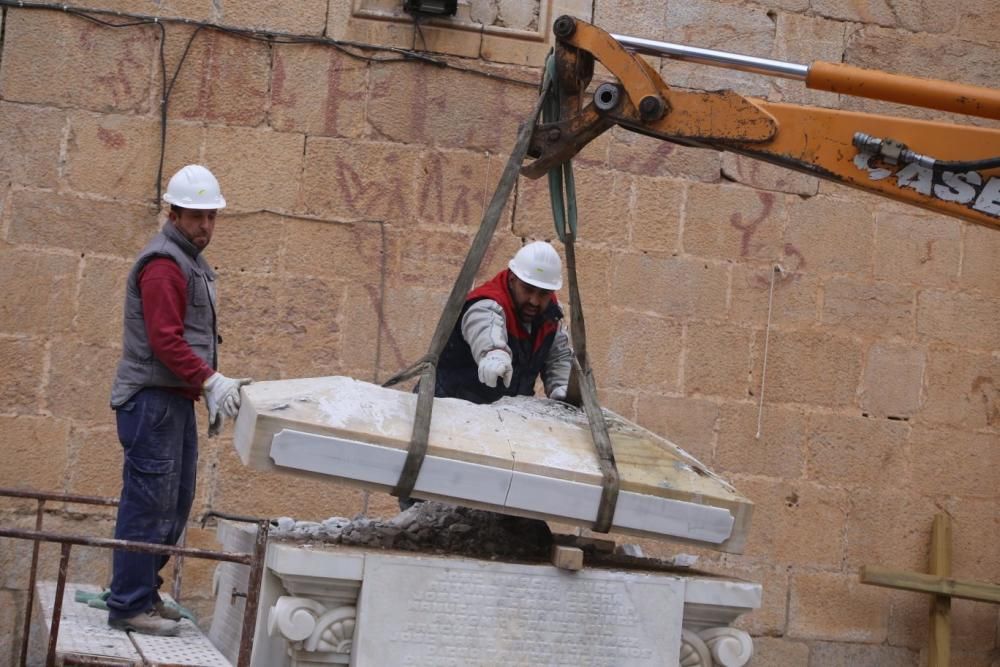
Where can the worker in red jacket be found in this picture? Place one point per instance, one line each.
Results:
(510, 333)
(169, 360)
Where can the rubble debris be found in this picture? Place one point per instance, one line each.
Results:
(431, 527)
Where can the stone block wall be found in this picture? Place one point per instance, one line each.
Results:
(356, 179)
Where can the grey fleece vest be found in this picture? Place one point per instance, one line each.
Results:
(138, 367)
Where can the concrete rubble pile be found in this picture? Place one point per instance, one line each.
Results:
(430, 527)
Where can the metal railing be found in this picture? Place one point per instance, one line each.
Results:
(254, 560)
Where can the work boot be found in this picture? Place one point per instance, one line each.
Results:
(167, 611)
(147, 623)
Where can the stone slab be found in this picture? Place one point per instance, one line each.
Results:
(525, 456)
(378, 465)
(482, 486)
(427, 613)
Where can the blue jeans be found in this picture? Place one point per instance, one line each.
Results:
(157, 430)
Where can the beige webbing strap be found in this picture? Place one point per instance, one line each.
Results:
(427, 366)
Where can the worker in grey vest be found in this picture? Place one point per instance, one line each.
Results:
(169, 361)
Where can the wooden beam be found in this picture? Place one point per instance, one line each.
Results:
(928, 583)
(939, 644)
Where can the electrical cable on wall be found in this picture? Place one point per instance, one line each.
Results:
(777, 271)
(348, 48)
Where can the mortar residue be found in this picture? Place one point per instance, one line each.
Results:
(439, 528)
(429, 527)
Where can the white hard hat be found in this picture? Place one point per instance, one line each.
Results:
(538, 264)
(194, 186)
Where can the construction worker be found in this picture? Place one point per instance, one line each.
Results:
(509, 333)
(169, 359)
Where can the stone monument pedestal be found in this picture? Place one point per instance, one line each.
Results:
(323, 604)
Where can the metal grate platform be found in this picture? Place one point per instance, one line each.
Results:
(84, 637)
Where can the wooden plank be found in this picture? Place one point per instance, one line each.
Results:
(539, 444)
(939, 644)
(928, 583)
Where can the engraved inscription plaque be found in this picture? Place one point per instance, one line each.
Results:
(464, 613)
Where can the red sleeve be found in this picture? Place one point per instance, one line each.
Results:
(164, 301)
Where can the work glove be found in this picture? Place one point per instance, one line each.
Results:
(222, 397)
(495, 364)
(559, 393)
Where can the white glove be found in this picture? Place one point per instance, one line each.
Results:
(559, 393)
(495, 364)
(222, 396)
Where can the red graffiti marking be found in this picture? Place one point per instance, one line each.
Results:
(86, 37)
(791, 270)
(432, 193)
(928, 254)
(336, 92)
(204, 92)
(375, 297)
(110, 138)
(749, 229)
(795, 253)
(368, 199)
(988, 393)
(418, 110)
(650, 165)
(412, 115)
(221, 73)
(749, 172)
(118, 82)
(279, 96)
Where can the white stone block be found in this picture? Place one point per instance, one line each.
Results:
(523, 456)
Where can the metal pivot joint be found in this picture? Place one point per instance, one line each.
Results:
(607, 96)
(652, 107)
(564, 26)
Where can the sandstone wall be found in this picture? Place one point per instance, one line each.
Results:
(355, 186)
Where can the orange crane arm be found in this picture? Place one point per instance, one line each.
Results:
(945, 167)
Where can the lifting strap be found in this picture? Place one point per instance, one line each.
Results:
(582, 386)
(426, 366)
